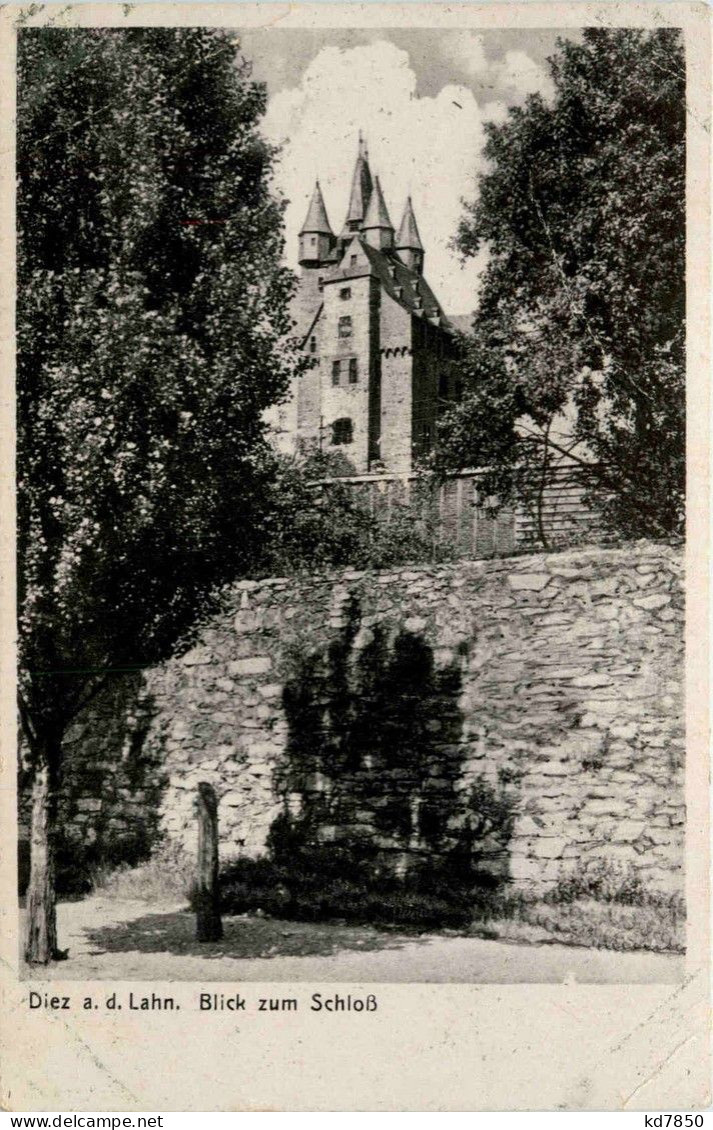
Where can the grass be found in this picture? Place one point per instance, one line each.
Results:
(659, 928)
(165, 877)
(600, 907)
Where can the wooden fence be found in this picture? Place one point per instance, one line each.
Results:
(458, 516)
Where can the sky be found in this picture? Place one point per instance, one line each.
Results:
(420, 96)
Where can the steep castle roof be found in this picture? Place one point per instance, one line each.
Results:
(361, 189)
(377, 215)
(402, 284)
(400, 277)
(408, 238)
(316, 220)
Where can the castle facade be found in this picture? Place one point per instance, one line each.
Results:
(381, 346)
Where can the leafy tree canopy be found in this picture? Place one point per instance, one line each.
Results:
(582, 209)
(152, 334)
(153, 331)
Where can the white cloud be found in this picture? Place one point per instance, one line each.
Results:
(466, 50)
(428, 147)
(495, 112)
(522, 75)
(514, 76)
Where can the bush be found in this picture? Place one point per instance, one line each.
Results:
(611, 924)
(81, 867)
(600, 905)
(607, 882)
(315, 520)
(354, 881)
(308, 898)
(123, 869)
(167, 875)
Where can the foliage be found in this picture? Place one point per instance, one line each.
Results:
(608, 882)
(81, 866)
(152, 331)
(658, 927)
(579, 339)
(314, 519)
(487, 430)
(166, 876)
(352, 881)
(599, 904)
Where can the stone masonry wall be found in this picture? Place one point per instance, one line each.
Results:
(547, 686)
(396, 363)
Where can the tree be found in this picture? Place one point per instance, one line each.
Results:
(315, 519)
(152, 334)
(582, 309)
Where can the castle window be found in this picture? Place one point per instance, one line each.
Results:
(313, 239)
(352, 260)
(345, 326)
(345, 292)
(320, 283)
(342, 431)
(353, 374)
(336, 369)
(313, 345)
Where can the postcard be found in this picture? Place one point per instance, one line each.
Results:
(356, 519)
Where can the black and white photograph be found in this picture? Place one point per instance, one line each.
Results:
(351, 507)
(350, 502)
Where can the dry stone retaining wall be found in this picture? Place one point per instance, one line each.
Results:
(377, 701)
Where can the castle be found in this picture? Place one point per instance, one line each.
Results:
(381, 347)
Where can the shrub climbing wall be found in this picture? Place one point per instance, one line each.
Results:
(530, 707)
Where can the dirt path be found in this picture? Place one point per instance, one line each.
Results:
(128, 941)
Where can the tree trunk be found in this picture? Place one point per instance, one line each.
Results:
(209, 927)
(41, 922)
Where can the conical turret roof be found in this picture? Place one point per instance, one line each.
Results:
(408, 238)
(377, 215)
(316, 220)
(361, 188)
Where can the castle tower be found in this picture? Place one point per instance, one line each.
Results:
(377, 227)
(408, 241)
(380, 346)
(316, 236)
(361, 192)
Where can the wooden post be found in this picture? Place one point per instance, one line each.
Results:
(209, 927)
(41, 928)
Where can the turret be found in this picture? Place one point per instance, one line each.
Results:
(408, 241)
(377, 226)
(316, 236)
(360, 193)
